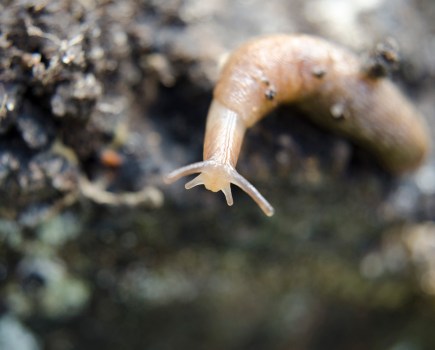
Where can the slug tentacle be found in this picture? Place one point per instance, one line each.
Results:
(219, 177)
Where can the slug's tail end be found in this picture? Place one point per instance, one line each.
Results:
(219, 177)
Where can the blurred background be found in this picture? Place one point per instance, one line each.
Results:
(98, 99)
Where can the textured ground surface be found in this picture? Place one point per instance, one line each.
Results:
(99, 98)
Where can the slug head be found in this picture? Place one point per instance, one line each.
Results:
(219, 177)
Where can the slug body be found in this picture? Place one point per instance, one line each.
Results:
(326, 81)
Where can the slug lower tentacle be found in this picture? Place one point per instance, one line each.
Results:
(219, 177)
(330, 83)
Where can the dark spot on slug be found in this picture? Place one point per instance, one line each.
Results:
(270, 94)
(383, 60)
(318, 72)
(338, 111)
(265, 81)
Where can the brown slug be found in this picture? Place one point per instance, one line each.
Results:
(323, 79)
